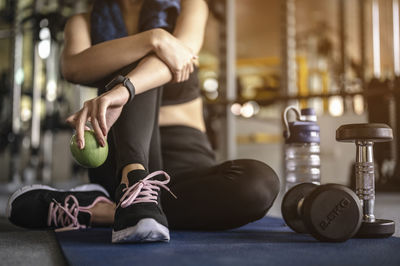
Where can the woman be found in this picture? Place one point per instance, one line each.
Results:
(126, 49)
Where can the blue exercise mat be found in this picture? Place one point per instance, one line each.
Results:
(265, 242)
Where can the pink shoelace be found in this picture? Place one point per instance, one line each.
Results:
(145, 190)
(66, 217)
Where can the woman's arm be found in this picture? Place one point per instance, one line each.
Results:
(83, 63)
(189, 30)
(151, 72)
(191, 24)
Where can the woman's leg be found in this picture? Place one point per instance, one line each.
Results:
(135, 129)
(134, 139)
(210, 195)
(224, 196)
(134, 144)
(138, 216)
(105, 174)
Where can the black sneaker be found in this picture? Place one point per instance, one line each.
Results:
(40, 206)
(139, 216)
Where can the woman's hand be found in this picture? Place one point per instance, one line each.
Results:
(102, 112)
(179, 58)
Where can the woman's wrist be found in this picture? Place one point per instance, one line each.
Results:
(122, 92)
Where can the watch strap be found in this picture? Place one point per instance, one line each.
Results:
(125, 81)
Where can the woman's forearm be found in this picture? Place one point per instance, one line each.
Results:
(84, 64)
(150, 73)
(105, 58)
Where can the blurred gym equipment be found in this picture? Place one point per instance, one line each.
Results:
(33, 106)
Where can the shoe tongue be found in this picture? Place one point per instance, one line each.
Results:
(135, 176)
(84, 218)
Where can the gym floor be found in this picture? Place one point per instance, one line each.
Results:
(19, 246)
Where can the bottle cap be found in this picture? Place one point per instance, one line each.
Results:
(307, 111)
(308, 114)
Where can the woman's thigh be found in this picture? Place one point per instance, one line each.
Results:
(185, 148)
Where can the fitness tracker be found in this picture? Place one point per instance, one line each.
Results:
(125, 82)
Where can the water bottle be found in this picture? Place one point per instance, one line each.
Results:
(302, 151)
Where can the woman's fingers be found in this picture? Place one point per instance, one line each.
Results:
(95, 124)
(71, 120)
(178, 76)
(189, 68)
(101, 116)
(187, 71)
(175, 75)
(94, 111)
(182, 74)
(192, 67)
(97, 132)
(80, 126)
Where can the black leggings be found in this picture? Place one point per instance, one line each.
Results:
(211, 196)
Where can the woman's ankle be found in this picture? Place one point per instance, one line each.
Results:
(103, 213)
(128, 168)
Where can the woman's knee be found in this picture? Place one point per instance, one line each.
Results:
(259, 184)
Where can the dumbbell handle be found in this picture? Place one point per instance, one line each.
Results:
(365, 178)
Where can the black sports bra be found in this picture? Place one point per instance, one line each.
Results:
(176, 93)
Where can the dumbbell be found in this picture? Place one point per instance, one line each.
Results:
(329, 212)
(364, 136)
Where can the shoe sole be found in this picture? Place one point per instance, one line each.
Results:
(19, 192)
(146, 230)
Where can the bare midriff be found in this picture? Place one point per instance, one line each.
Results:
(186, 114)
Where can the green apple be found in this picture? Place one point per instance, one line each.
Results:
(92, 155)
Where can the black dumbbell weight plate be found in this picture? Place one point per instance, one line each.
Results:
(367, 132)
(290, 204)
(332, 213)
(380, 228)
